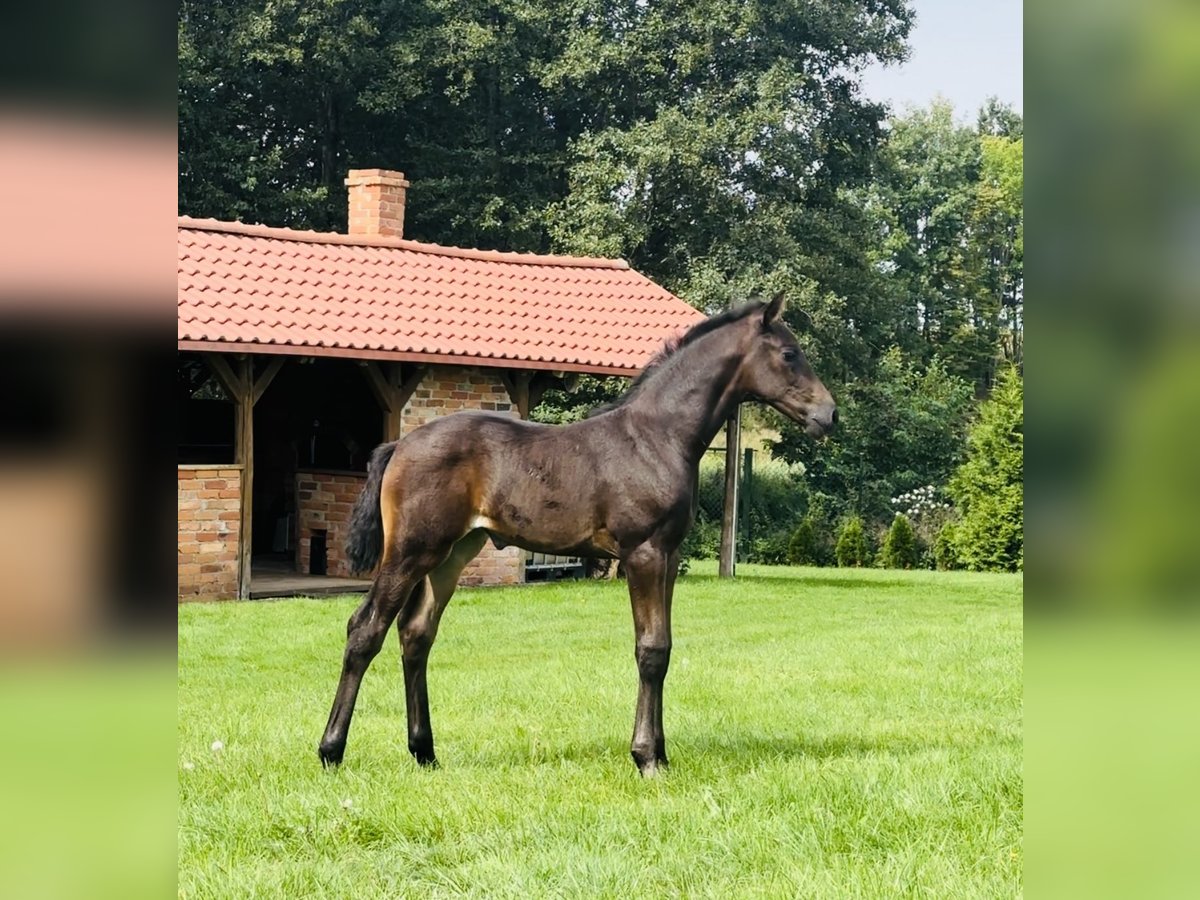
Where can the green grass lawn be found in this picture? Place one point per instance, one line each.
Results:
(832, 733)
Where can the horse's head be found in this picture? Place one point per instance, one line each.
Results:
(775, 371)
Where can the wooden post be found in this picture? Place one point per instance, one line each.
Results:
(526, 389)
(518, 387)
(393, 387)
(728, 563)
(745, 498)
(244, 443)
(244, 391)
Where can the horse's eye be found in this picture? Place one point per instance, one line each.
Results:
(789, 354)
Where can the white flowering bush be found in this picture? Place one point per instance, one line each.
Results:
(928, 512)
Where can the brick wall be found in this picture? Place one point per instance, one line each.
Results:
(323, 503)
(447, 389)
(209, 521)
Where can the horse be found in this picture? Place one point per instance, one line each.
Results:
(618, 484)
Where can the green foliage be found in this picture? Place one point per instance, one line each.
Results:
(703, 541)
(804, 549)
(559, 407)
(665, 134)
(899, 430)
(852, 549)
(771, 550)
(989, 487)
(774, 500)
(949, 201)
(771, 502)
(900, 545)
(945, 548)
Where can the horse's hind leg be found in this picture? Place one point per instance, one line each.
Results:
(418, 627)
(365, 633)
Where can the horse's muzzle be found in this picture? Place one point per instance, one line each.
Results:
(822, 420)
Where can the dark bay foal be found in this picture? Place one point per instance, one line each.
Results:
(618, 485)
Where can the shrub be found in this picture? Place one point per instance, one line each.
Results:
(772, 501)
(703, 541)
(900, 545)
(989, 487)
(803, 548)
(945, 550)
(770, 550)
(852, 549)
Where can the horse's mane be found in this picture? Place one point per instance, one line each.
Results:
(673, 345)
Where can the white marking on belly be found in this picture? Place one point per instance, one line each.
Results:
(483, 522)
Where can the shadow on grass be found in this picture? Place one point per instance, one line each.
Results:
(848, 582)
(741, 751)
(756, 747)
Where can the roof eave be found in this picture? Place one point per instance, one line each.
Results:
(486, 362)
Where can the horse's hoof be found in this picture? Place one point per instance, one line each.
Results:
(424, 757)
(421, 748)
(651, 766)
(331, 754)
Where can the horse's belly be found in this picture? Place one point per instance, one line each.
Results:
(548, 537)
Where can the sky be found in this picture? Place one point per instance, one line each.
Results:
(965, 50)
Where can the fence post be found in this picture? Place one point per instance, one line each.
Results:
(745, 499)
(729, 515)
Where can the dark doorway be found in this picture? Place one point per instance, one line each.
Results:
(317, 414)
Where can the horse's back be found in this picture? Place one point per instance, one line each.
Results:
(526, 483)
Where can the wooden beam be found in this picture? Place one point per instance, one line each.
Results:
(265, 379)
(383, 389)
(509, 387)
(413, 376)
(517, 386)
(424, 359)
(392, 387)
(728, 563)
(230, 382)
(543, 382)
(245, 456)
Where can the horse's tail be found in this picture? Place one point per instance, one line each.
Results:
(364, 544)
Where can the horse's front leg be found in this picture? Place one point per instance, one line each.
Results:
(650, 584)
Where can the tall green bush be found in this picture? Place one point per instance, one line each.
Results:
(852, 550)
(945, 550)
(989, 487)
(804, 548)
(900, 545)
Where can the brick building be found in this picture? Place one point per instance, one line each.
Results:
(301, 351)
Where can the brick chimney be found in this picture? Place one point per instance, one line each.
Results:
(376, 202)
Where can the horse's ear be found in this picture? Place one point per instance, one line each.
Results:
(773, 311)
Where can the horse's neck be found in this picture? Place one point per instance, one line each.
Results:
(693, 396)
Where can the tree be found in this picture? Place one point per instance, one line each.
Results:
(998, 239)
(803, 547)
(561, 406)
(989, 487)
(900, 546)
(902, 429)
(949, 206)
(852, 549)
(941, 262)
(706, 142)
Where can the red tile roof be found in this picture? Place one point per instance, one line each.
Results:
(306, 292)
